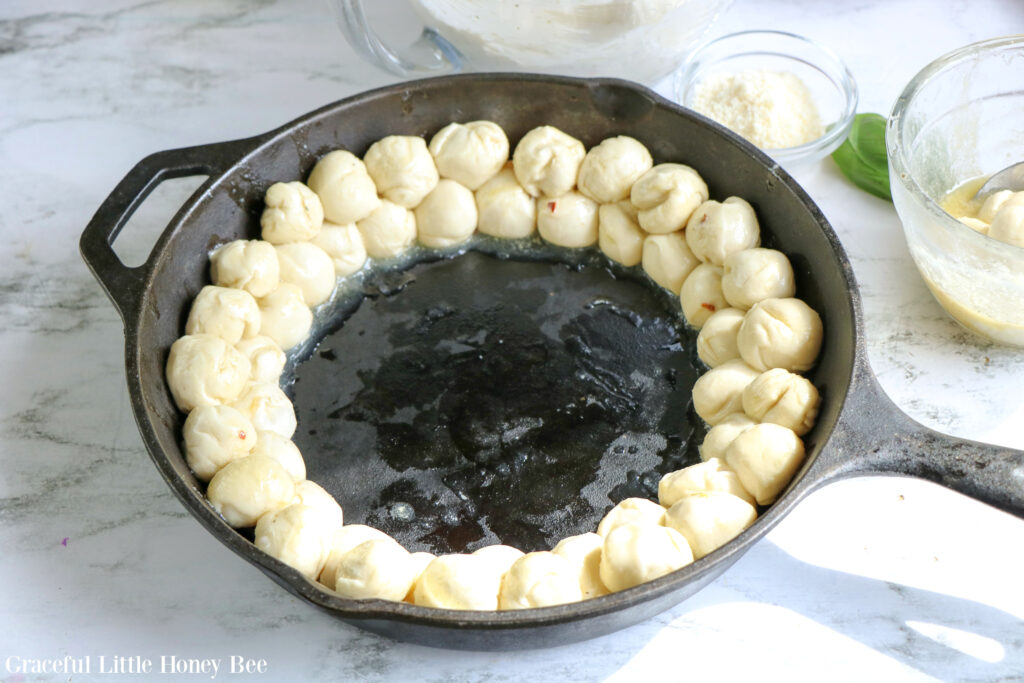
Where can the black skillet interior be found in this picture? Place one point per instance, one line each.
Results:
(412, 488)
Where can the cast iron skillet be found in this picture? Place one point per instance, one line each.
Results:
(859, 430)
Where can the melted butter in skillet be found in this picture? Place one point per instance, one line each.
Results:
(497, 401)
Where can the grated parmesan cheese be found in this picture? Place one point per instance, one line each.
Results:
(771, 109)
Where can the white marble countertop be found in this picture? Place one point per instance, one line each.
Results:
(884, 578)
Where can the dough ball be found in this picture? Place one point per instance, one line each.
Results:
(716, 342)
(215, 436)
(315, 496)
(609, 170)
(344, 539)
(447, 216)
(538, 580)
(718, 229)
(1008, 225)
(765, 457)
(701, 294)
(284, 316)
(709, 519)
(666, 196)
(269, 409)
(204, 370)
(754, 275)
(618, 234)
(501, 557)
(993, 203)
(459, 582)
(668, 260)
(419, 563)
(379, 568)
(310, 268)
(719, 391)
(636, 553)
(710, 475)
(388, 231)
(547, 161)
(583, 552)
(631, 510)
(720, 437)
(470, 153)
(505, 209)
(344, 187)
(568, 221)
(784, 398)
(266, 359)
(231, 314)
(284, 451)
(780, 333)
(402, 169)
(246, 264)
(246, 489)
(298, 535)
(293, 213)
(344, 245)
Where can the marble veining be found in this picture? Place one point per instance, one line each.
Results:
(873, 578)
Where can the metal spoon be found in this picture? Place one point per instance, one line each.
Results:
(1010, 178)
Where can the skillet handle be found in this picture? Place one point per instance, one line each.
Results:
(124, 284)
(876, 437)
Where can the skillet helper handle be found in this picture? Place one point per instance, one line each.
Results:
(878, 438)
(124, 284)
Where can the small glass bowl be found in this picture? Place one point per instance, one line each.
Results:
(830, 83)
(959, 119)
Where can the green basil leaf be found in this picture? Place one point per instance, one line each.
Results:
(862, 156)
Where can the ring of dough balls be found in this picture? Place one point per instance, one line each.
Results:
(709, 519)
(609, 170)
(629, 511)
(402, 168)
(447, 216)
(246, 489)
(667, 259)
(539, 579)
(765, 457)
(266, 359)
(470, 153)
(754, 275)
(710, 475)
(309, 268)
(204, 370)
(719, 391)
(344, 539)
(231, 314)
(215, 436)
(583, 551)
(250, 265)
(504, 208)
(377, 568)
(666, 196)
(718, 229)
(298, 535)
(284, 451)
(720, 437)
(639, 552)
(619, 236)
(701, 294)
(292, 213)
(344, 244)
(388, 230)
(716, 341)
(780, 333)
(547, 161)
(284, 316)
(568, 221)
(784, 398)
(464, 582)
(345, 188)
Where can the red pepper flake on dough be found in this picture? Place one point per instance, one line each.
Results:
(704, 218)
(551, 206)
(241, 435)
(710, 307)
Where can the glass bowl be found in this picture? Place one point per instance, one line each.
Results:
(830, 83)
(958, 119)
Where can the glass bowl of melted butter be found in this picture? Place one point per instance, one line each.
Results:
(959, 121)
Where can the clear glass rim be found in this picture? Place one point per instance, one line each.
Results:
(833, 68)
(897, 150)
